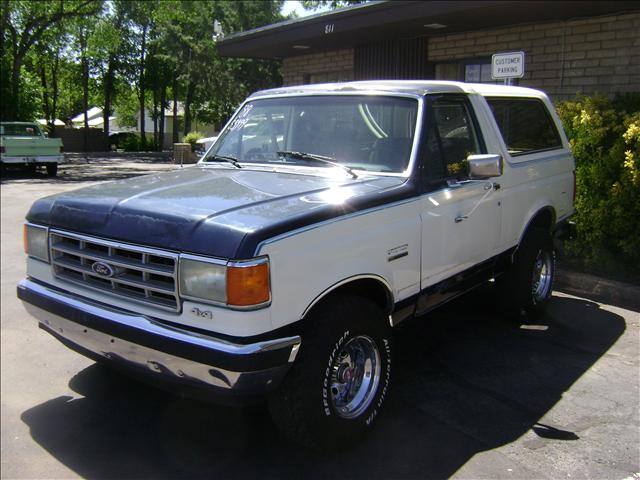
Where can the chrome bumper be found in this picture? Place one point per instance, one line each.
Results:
(146, 346)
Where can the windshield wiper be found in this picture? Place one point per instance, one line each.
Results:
(223, 158)
(317, 158)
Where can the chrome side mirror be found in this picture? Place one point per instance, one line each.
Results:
(484, 166)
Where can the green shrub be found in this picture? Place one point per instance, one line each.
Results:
(192, 138)
(605, 139)
(130, 143)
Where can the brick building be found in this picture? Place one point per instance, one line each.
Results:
(569, 46)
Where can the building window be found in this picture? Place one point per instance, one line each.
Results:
(478, 73)
(472, 71)
(328, 77)
(448, 71)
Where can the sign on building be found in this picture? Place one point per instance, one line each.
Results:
(507, 65)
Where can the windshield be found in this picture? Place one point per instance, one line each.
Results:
(370, 133)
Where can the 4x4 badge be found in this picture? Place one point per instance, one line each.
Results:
(103, 269)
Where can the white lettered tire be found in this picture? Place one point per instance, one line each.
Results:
(338, 384)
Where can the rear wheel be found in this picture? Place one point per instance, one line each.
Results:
(337, 386)
(525, 289)
(52, 169)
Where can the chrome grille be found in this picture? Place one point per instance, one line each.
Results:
(137, 273)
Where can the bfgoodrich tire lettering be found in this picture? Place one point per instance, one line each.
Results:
(338, 385)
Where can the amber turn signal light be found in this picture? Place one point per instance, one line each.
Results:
(248, 285)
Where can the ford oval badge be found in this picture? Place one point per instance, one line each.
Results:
(103, 269)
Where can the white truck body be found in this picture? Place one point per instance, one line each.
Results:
(405, 239)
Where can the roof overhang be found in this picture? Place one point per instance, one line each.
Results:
(375, 21)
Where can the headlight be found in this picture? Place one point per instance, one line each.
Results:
(36, 241)
(203, 279)
(235, 284)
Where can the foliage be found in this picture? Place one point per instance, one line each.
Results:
(605, 138)
(24, 24)
(192, 138)
(130, 143)
(127, 109)
(316, 4)
(126, 54)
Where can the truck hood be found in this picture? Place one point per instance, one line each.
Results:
(212, 211)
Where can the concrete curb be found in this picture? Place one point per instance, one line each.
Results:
(589, 286)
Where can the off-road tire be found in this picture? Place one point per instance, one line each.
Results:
(303, 407)
(517, 294)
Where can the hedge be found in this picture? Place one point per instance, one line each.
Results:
(605, 139)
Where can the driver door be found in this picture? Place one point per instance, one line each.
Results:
(460, 218)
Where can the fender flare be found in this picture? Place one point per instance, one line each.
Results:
(533, 215)
(348, 280)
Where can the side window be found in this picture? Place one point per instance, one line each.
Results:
(525, 125)
(451, 137)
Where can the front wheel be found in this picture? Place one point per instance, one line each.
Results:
(337, 386)
(525, 288)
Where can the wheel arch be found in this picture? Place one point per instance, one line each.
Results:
(543, 217)
(371, 286)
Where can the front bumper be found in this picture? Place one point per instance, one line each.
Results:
(172, 356)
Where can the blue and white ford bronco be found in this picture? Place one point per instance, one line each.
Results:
(323, 215)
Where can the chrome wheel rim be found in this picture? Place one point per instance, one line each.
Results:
(542, 276)
(355, 375)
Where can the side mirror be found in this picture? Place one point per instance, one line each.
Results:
(484, 166)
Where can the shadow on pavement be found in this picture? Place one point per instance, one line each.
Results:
(466, 381)
(93, 170)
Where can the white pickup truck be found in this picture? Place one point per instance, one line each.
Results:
(24, 144)
(278, 266)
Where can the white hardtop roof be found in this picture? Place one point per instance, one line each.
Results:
(411, 87)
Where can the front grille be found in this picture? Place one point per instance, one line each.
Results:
(137, 273)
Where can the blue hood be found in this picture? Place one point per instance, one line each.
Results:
(211, 211)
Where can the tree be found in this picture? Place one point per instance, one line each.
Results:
(141, 23)
(107, 50)
(23, 24)
(332, 4)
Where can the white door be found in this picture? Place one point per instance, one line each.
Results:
(460, 218)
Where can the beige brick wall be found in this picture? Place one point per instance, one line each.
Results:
(295, 68)
(596, 55)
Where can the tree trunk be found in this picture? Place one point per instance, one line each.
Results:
(187, 107)
(85, 87)
(54, 90)
(175, 107)
(163, 102)
(143, 138)
(155, 113)
(45, 95)
(15, 87)
(108, 89)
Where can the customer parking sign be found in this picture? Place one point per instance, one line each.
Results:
(507, 65)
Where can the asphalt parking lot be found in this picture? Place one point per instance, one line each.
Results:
(474, 395)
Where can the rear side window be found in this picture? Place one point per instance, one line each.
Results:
(525, 125)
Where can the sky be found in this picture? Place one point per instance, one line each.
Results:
(295, 6)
